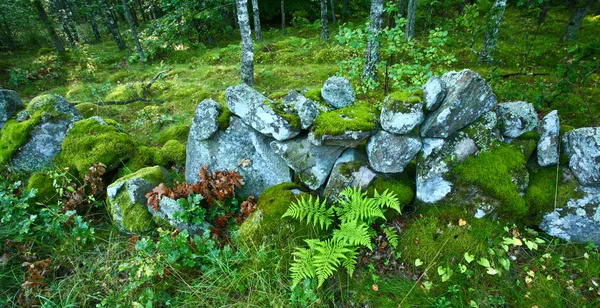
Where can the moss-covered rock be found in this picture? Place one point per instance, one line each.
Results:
(46, 193)
(175, 132)
(402, 112)
(126, 199)
(266, 223)
(88, 110)
(173, 152)
(527, 143)
(14, 135)
(91, 141)
(360, 116)
(314, 94)
(143, 156)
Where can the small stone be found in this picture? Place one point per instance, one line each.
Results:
(338, 92)
(547, 147)
(401, 113)
(205, 122)
(389, 153)
(516, 118)
(306, 108)
(582, 147)
(10, 102)
(350, 170)
(434, 92)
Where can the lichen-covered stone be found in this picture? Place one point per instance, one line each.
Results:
(126, 199)
(311, 163)
(468, 98)
(304, 107)
(338, 92)
(167, 216)
(10, 102)
(582, 147)
(350, 170)
(389, 153)
(434, 92)
(348, 139)
(242, 149)
(346, 126)
(547, 146)
(401, 113)
(255, 110)
(516, 118)
(205, 122)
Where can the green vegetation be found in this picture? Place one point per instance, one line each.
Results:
(360, 116)
(14, 135)
(403, 101)
(404, 190)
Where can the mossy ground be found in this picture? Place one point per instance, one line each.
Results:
(360, 116)
(46, 193)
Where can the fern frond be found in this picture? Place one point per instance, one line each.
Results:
(327, 258)
(392, 236)
(352, 233)
(355, 205)
(350, 262)
(302, 267)
(314, 211)
(387, 199)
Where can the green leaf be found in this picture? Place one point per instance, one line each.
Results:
(418, 262)
(484, 262)
(468, 257)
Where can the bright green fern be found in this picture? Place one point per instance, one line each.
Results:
(312, 210)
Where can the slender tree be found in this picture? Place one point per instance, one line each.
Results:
(401, 8)
(333, 18)
(490, 42)
(59, 12)
(409, 32)
(141, 7)
(247, 70)
(576, 20)
(283, 17)
(256, 15)
(347, 7)
(324, 23)
(133, 30)
(112, 26)
(8, 33)
(48, 25)
(91, 16)
(543, 12)
(372, 53)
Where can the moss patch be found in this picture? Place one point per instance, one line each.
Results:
(45, 190)
(224, 117)
(403, 101)
(314, 94)
(360, 116)
(404, 189)
(173, 152)
(135, 217)
(16, 134)
(493, 172)
(89, 141)
(143, 157)
(125, 92)
(527, 143)
(88, 110)
(175, 132)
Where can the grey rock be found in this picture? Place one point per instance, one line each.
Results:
(305, 108)
(205, 122)
(338, 92)
(516, 118)
(579, 221)
(401, 117)
(582, 147)
(252, 108)
(22, 116)
(239, 148)
(349, 139)
(10, 102)
(389, 153)
(99, 120)
(434, 92)
(547, 147)
(467, 99)
(311, 163)
(167, 212)
(350, 170)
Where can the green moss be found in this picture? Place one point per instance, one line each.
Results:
(403, 189)
(541, 192)
(135, 217)
(143, 157)
(14, 135)
(492, 172)
(88, 110)
(224, 117)
(45, 190)
(46, 102)
(360, 116)
(154, 175)
(89, 141)
(173, 152)
(403, 101)
(124, 92)
(349, 167)
(314, 94)
(175, 132)
(527, 143)
(277, 95)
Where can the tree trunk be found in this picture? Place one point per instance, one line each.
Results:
(8, 33)
(324, 25)
(409, 32)
(141, 6)
(401, 8)
(48, 25)
(347, 7)
(62, 19)
(71, 19)
(91, 17)
(372, 54)
(333, 18)
(543, 12)
(236, 23)
(486, 56)
(256, 15)
(111, 25)
(247, 70)
(576, 20)
(133, 31)
(283, 17)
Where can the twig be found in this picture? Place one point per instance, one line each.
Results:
(523, 74)
(125, 102)
(147, 87)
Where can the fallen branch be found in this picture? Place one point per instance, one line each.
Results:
(523, 74)
(125, 102)
(147, 87)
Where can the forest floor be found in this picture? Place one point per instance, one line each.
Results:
(446, 256)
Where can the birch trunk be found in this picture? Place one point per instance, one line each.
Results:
(401, 8)
(247, 69)
(372, 53)
(333, 18)
(576, 20)
(111, 26)
(486, 56)
(256, 15)
(90, 13)
(283, 17)
(409, 32)
(133, 31)
(324, 23)
(48, 25)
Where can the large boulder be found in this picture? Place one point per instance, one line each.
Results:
(582, 147)
(32, 141)
(305, 108)
(311, 163)
(256, 110)
(434, 92)
(206, 120)
(468, 98)
(10, 102)
(401, 112)
(350, 170)
(338, 92)
(238, 148)
(516, 118)
(547, 147)
(389, 153)
(345, 127)
(127, 202)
